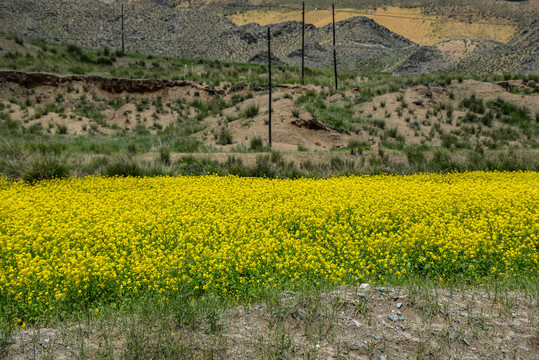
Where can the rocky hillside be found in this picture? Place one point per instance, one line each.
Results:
(153, 27)
(161, 27)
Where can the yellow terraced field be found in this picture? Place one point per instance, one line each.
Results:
(81, 241)
(411, 23)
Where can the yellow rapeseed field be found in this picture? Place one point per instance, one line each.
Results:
(73, 242)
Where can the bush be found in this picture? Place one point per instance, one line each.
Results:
(251, 111)
(416, 158)
(190, 165)
(264, 167)
(257, 144)
(225, 137)
(123, 166)
(74, 49)
(46, 168)
(12, 159)
(509, 113)
(442, 162)
(61, 129)
(473, 103)
(357, 147)
(164, 156)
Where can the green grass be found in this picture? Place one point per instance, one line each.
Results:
(40, 56)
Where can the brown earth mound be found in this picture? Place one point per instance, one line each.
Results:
(111, 85)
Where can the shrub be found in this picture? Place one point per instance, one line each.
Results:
(416, 158)
(131, 148)
(473, 103)
(164, 156)
(190, 165)
(46, 167)
(357, 147)
(264, 167)
(441, 162)
(61, 129)
(251, 111)
(257, 144)
(379, 123)
(123, 166)
(509, 113)
(224, 137)
(74, 49)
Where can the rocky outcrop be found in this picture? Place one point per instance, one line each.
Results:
(426, 59)
(262, 58)
(153, 27)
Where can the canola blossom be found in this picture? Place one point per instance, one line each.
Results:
(89, 240)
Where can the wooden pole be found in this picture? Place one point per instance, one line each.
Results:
(303, 47)
(123, 38)
(269, 78)
(334, 48)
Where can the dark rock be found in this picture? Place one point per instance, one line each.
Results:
(262, 58)
(311, 124)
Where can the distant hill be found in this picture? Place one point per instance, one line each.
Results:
(153, 27)
(179, 29)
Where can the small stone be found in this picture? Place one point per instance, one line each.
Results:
(376, 337)
(393, 317)
(382, 357)
(395, 298)
(401, 318)
(364, 286)
(403, 327)
(399, 305)
(399, 313)
(355, 323)
(361, 295)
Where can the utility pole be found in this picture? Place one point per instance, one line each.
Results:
(123, 38)
(334, 48)
(303, 47)
(269, 78)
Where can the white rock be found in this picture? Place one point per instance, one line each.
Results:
(364, 286)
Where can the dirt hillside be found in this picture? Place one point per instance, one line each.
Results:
(390, 42)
